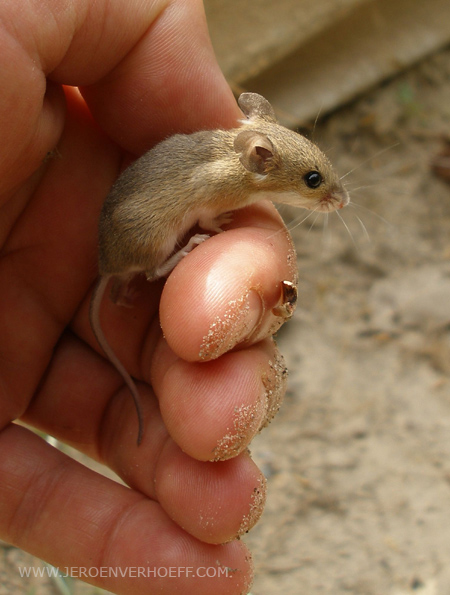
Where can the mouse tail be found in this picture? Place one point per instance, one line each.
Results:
(94, 316)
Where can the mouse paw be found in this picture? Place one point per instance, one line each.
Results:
(172, 262)
(194, 241)
(215, 223)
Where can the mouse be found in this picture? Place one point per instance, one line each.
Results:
(199, 179)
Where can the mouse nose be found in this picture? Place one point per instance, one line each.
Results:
(335, 200)
(343, 197)
(344, 202)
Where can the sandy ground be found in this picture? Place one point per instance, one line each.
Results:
(358, 459)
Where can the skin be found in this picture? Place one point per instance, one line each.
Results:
(142, 67)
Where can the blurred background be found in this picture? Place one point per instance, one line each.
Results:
(308, 56)
(358, 458)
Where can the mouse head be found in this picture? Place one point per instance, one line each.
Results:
(292, 168)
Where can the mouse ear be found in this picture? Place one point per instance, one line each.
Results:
(256, 151)
(255, 106)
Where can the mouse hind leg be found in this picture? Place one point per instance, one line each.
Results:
(122, 292)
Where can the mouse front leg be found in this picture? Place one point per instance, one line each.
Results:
(172, 262)
(206, 222)
(215, 223)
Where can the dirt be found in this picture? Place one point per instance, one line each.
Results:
(358, 458)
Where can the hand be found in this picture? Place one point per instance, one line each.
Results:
(145, 70)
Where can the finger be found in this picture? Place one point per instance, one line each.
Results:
(225, 292)
(47, 261)
(141, 84)
(208, 499)
(215, 502)
(170, 82)
(82, 403)
(103, 525)
(213, 410)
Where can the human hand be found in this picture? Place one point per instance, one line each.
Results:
(146, 70)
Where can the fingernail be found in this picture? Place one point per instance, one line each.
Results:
(278, 313)
(288, 300)
(235, 325)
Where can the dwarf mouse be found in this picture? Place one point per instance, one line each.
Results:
(198, 179)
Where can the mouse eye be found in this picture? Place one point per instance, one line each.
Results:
(313, 179)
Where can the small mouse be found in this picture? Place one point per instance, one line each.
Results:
(199, 179)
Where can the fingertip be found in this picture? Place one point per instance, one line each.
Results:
(214, 502)
(213, 410)
(224, 292)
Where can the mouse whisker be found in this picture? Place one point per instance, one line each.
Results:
(292, 225)
(326, 235)
(377, 154)
(348, 184)
(373, 213)
(325, 222)
(298, 223)
(364, 228)
(347, 228)
(316, 120)
(313, 222)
